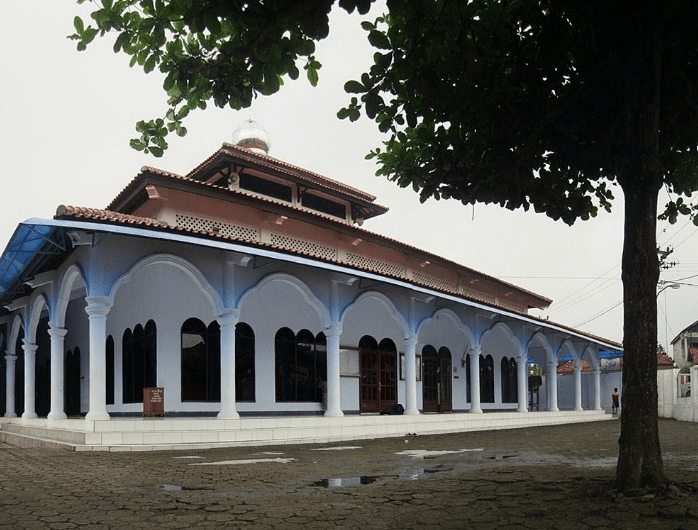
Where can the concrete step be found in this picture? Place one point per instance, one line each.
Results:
(21, 440)
(189, 433)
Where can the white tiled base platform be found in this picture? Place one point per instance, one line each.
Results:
(154, 434)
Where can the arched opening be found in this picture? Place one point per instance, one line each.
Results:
(445, 382)
(486, 379)
(430, 379)
(72, 382)
(301, 366)
(139, 360)
(19, 374)
(509, 380)
(244, 363)
(201, 361)
(110, 369)
(468, 380)
(42, 374)
(378, 386)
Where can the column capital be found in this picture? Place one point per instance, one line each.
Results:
(334, 329)
(28, 347)
(411, 339)
(229, 317)
(10, 358)
(55, 331)
(98, 305)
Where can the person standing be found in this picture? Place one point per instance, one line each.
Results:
(615, 397)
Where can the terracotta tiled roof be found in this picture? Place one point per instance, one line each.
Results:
(568, 367)
(112, 217)
(664, 361)
(270, 162)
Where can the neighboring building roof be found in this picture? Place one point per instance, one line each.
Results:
(693, 328)
(664, 362)
(568, 368)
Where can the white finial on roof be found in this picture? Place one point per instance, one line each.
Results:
(252, 136)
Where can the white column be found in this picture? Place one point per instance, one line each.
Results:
(334, 407)
(57, 370)
(552, 377)
(97, 310)
(578, 385)
(10, 370)
(597, 388)
(522, 383)
(29, 380)
(411, 375)
(227, 323)
(475, 381)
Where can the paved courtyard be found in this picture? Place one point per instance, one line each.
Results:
(546, 477)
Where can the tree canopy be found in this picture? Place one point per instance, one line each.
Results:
(543, 104)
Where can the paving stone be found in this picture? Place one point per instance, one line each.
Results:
(561, 478)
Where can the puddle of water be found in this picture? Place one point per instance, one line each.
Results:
(423, 453)
(411, 475)
(347, 481)
(370, 479)
(250, 461)
(188, 457)
(343, 448)
(171, 487)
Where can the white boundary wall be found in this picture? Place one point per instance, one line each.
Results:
(672, 406)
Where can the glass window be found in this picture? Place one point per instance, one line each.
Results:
(244, 363)
(201, 361)
(139, 361)
(301, 366)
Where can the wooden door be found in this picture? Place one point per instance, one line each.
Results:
(378, 380)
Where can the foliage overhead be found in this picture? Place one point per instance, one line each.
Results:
(220, 51)
(522, 103)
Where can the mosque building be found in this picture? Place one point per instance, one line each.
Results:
(246, 302)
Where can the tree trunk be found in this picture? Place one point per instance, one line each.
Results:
(640, 457)
(640, 176)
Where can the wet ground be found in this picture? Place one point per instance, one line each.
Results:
(546, 477)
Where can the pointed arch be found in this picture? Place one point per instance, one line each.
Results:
(15, 328)
(457, 324)
(540, 340)
(37, 307)
(391, 311)
(567, 347)
(191, 271)
(501, 326)
(299, 286)
(72, 275)
(592, 356)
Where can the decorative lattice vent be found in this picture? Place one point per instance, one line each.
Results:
(306, 247)
(477, 295)
(434, 282)
(375, 265)
(210, 225)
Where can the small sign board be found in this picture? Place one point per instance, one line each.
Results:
(153, 401)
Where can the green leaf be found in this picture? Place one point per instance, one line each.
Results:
(312, 76)
(379, 40)
(79, 25)
(354, 87)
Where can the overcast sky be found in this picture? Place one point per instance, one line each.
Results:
(66, 118)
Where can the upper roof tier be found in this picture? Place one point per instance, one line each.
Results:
(240, 169)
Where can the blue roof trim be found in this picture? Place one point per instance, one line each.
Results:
(28, 240)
